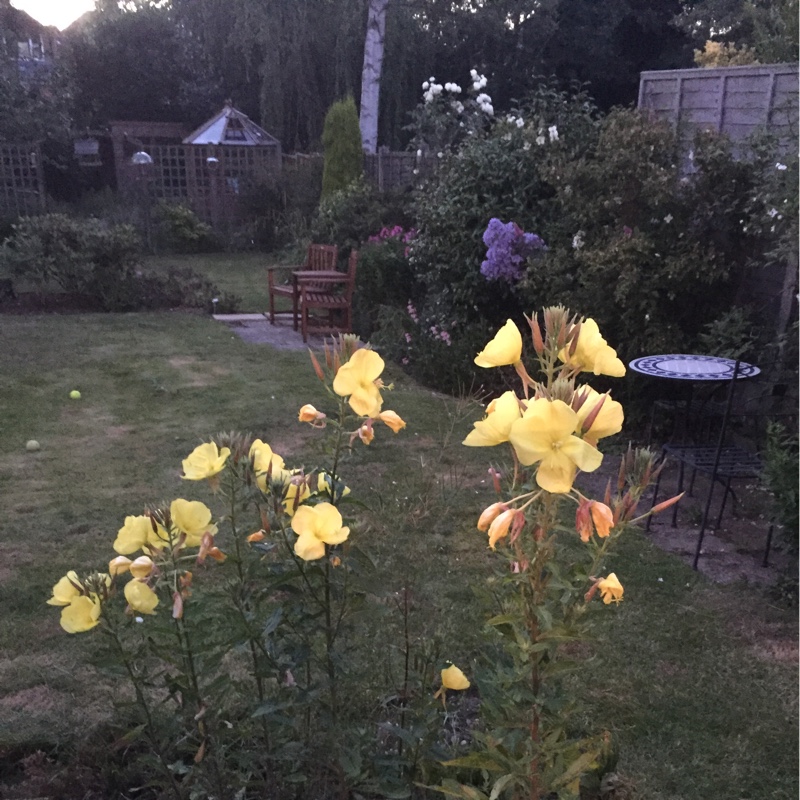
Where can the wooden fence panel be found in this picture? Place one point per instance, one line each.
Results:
(734, 100)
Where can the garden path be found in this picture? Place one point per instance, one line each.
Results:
(256, 329)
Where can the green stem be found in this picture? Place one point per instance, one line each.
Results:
(142, 701)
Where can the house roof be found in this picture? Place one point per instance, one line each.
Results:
(230, 126)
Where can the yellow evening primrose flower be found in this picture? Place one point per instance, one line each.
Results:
(138, 532)
(453, 678)
(262, 457)
(593, 353)
(315, 527)
(205, 461)
(142, 567)
(81, 615)
(392, 420)
(192, 518)
(610, 589)
(504, 349)
(66, 590)
(291, 500)
(357, 380)
(494, 429)
(608, 421)
(119, 565)
(141, 597)
(544, 434)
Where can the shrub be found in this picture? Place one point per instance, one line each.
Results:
(85, 257)
(384, 276)
(182, 231)
(341, 138)
(350, 216)
(100, 262)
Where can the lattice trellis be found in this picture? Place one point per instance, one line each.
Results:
(21, 183)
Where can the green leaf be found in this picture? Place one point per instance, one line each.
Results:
(475, 761)
(499, 785)
(581, 764)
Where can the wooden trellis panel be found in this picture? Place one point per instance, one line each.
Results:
(21, 181)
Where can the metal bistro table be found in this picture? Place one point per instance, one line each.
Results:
(691, 368)
(719, 461)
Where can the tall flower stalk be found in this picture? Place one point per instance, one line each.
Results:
(549, 572)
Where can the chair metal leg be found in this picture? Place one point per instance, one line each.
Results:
(680, 489)
(765, 562)
(655, 498)
(724, 500)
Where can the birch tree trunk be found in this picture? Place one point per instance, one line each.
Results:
(371, 74)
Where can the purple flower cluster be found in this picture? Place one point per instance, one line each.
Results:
(396, 232)
(508, 248)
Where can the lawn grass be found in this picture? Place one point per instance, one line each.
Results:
(697, 681)
(241, 274)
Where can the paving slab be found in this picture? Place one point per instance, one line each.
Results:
(256, 329)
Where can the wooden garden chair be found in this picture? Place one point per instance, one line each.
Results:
(330, 294)
(320, 258)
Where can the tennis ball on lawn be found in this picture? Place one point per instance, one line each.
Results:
(32, 445)
(75, 394)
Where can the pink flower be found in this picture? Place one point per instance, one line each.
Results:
(404, 361)
(408, 338)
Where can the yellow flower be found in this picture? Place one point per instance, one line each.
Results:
(325, 486)
(296, 493)
(608, 420)
(142, 567)
(266, 462)
(192, 518)
(358, 379)
(593, 353)
(453, 678)
(504, 349)
(138, 532)
(141, 597)
(610, 589)
(317, 526)
(544, 434)
(205, 461)
(494, 429)
(66, 590)
(119, 565)
(82, 614)
(392, 420)
(309, 414)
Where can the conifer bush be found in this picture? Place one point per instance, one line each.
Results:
(341, 138)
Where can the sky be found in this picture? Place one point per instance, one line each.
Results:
(60, 13)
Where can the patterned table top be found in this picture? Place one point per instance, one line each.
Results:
(692, 367)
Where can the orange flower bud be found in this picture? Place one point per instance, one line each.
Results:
(258, 536)
(583, 520)
(365, 432)
(317, 367)
(500, 525)
(177, 605)
(309, 414)
(217, 554)
(603, 518)
(392, 420)
(489, 515)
